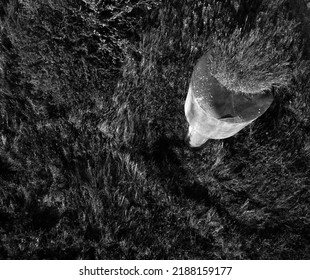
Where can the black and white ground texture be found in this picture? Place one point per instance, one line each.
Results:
(93, 162)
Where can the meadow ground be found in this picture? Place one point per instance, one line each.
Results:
(93, 164)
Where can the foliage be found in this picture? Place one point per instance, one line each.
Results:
(92, 160)
(262, 53)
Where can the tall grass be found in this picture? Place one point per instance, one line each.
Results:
(264, 52)
(93, 164)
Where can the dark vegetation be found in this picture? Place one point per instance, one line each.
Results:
(92, 159)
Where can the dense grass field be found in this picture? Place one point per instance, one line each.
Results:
(93, 163)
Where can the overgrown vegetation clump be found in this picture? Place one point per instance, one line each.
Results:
(92, 159)
(261, 52)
